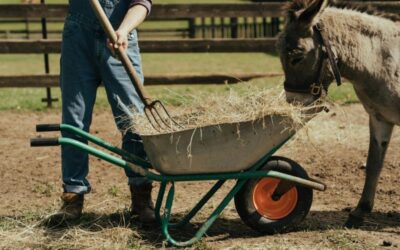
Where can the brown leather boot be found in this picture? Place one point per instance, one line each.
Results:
(71, 210)
(142, 205)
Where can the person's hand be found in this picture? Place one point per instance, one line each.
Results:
(122, 41)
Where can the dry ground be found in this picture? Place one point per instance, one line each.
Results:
(333, 148)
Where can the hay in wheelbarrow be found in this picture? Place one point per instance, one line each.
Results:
(221, 132)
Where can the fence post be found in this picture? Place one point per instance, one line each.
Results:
(49, 100)
(255, 33)
(234, 27)
(264, 27)
(192, 27)
(275, 26)
(222, 27)
(246, 27)
(203, 27)
(28, 35)
(213, 27)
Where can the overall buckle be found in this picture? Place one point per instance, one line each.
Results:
(315, 89)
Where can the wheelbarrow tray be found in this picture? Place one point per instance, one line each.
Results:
(228, 147)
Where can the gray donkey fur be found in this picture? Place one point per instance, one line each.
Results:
(368, 51)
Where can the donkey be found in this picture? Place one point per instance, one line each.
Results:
(319, 44)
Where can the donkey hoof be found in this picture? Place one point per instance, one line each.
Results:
(354, 222)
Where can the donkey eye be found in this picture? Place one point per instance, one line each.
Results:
(296, 60)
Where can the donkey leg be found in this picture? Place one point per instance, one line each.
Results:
(380, 133)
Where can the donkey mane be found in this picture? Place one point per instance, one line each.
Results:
(297, 5)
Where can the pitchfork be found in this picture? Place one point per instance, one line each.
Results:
(158, 118)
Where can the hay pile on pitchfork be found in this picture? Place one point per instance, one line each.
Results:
(228, 107)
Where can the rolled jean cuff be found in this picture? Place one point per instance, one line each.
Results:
(138, 181)
(76, 189)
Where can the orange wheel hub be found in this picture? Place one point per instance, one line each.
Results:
(267, 206)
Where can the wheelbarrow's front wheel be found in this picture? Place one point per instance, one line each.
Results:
(268, 210)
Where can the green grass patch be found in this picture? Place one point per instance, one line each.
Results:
(29, 99)
(158, 63)
(343, 95)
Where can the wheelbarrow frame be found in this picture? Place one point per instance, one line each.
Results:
(167, 182)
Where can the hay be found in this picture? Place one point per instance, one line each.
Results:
(104, 225)
(219, 108)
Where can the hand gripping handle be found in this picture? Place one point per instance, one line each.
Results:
(109, 30)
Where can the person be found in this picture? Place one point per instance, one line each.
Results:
(87, 59)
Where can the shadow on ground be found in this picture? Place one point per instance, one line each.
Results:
(223, 228)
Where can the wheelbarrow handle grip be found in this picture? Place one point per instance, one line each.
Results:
(44, 142)
(48, 127)
(121, 53)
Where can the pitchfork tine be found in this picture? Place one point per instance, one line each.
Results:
(157, 117)
(167, 113)
(161, 118)
(159, 126)
(149, 119)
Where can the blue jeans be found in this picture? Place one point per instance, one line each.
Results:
(85, 63)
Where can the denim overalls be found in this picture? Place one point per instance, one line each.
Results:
(85, 63)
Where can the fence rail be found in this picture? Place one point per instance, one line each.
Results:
(159, 11)
(153, 46)
(248, 20)
(176, 11)
(51, 80)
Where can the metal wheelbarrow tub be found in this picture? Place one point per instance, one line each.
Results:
(229, 147)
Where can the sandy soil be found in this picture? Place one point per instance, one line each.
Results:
(333, 149)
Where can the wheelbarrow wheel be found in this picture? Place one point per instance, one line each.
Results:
(260, 210)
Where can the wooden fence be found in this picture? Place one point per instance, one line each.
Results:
(211, 28)
(188, 21)
(253, 20)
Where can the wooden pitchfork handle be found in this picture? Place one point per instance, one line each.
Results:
(121, 53)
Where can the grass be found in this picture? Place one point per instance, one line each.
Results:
(155, 64)
(343, 240)
(29, 99)
(45, 189)
(113, 191)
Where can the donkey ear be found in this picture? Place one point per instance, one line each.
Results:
(307, 15)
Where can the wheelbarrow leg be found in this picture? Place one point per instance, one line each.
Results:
(160, 198)
(195, 209)
(206, 225)
(199, 205)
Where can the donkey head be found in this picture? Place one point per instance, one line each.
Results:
(303, 52)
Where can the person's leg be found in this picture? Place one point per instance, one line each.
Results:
(124, 101)
(79, 82)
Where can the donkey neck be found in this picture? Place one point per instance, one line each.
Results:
(362, 42)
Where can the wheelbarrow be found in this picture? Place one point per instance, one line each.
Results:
(272, 194)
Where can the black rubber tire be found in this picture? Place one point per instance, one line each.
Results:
(248, 213)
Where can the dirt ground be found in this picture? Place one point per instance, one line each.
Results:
(333, 148)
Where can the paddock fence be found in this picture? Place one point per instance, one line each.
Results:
(187, 28)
